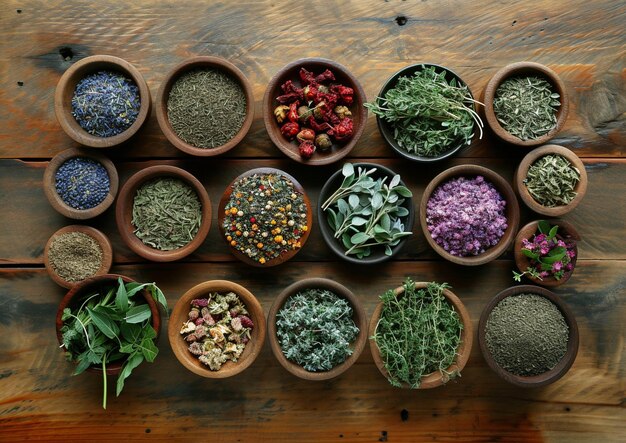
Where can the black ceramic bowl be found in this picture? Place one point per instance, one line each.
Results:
(378, 252)
(385, 128)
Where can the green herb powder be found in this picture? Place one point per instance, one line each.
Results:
(551, 180)
(167, 213)
(75, 256)
(526, 334)
(206, 108)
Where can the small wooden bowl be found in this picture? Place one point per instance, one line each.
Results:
(98, 236)
(386, 129)
(93, 284)
(525, 164)
(57, 202)
(358, 316)
(124, 213)
(572, 345)
(433, 379)
(65, 91)
(317, 66)
(524, 69)
(512, 213)
(378, 254)
(179, 316)
(203, 62)
(281, 258)
(566, 231)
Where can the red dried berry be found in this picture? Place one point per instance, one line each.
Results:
(290, 130)
(307, 148)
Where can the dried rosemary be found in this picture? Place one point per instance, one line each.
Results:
(551, 180)
(526, 107)
(167, 213)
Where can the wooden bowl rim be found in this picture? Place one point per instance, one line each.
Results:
(123, 212)
(283, 257)
(67, 84)
(49, 183)
(512, 212)
(200, 62)
(358, 109)
(102, 240)
(113, 368)
(358, 315)
(385, 128)
(338, 248)
(534, 155)
(520, 68)
(433, 379)
(179, 315)
(572, 345)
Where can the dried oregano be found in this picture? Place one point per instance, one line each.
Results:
(315, 329)
(551, 180)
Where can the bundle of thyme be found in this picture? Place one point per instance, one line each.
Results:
(418, 333)
(428, 114)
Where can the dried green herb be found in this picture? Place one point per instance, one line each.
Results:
(429, 114)
(366, 213)
(417, 333)
(206, 107)
(526, 334)
(110, 325)
(75, 256)
(315, 329)
(551, 180)
(526, 107)
(167, 213)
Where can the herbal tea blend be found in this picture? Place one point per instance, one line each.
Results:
(82, 183)
(167, 213)
(551, 180)
(265, 216)
(75, 256)
(315, 329)
(217, 329)
(419, 332)
(429, 114)
(526, 334)
(106, 103)
(526, 107)
(206, 107)
(466, 216)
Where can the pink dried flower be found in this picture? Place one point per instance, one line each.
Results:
(557, 266)
(191, 338)
(571, 253)
(193, 314)
(200, 302)
(246, 322)
(198, 321)
(235, 323)
(196, 348)
(569, 266)
(200, 331)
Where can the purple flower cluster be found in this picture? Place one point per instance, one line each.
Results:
(545, 247)
(466, 216)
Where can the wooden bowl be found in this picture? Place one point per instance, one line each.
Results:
(524, 69)
(179, 316)
(317, 66)
(525, 164)
(92, 284)
(203, 62)
(57, 202)
(283, 257)
(65, 91)
(433, 379)
(512, 213)
(378, 253)
(124, 213)
(566, 231)
(387, 130)
(98, 236)
(572, 345)
(358, 316)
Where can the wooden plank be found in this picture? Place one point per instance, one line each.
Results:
(41, 400)
(583, 41)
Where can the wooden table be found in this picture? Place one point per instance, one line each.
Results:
(584, 41)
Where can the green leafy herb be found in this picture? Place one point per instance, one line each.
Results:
(551, 180)
(366, 213)
(429, 114)
(526, 107)
(315, 329)
(418, 333)
(110, 325)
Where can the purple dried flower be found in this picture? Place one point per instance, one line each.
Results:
(199, 321)
(200, 302)
(246, 322)
(557, 266)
